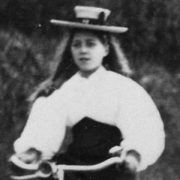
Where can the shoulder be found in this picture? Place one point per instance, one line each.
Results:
(128, 88)
(64, 90)
(133, 97)
(122, 81)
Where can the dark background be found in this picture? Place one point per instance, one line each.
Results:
(28, 43)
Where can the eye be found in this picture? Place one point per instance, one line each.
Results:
(91, 43)
(76, 44)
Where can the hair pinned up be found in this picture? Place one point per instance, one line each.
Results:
(65, 67)
(89, 19)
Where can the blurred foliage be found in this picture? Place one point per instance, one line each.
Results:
(153, 24)
(164, 88)
(23, 66)
(28, 42)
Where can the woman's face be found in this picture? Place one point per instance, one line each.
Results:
(88, 51)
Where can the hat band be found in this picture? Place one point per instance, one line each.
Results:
(90, 21)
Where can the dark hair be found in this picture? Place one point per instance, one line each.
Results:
(66, 68)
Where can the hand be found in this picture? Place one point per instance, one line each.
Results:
(131, 163)
(31, 156)
(132, 160)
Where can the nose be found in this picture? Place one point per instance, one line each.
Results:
(83, 49)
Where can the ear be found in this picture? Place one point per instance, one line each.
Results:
(106, 49)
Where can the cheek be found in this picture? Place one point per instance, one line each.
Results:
(98, 59)
(73, 53)
(100, 54)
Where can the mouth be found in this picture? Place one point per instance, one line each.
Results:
(84, 59)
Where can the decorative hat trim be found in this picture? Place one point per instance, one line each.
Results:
(91, 18)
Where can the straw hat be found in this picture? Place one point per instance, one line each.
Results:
(91, 18)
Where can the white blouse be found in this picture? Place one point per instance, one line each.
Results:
(105, 96)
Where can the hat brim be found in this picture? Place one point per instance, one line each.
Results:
(111, 29)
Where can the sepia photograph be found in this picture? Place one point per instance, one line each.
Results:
(89, 90)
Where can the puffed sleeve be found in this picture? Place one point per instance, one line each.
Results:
(45, 127)
(140, 124)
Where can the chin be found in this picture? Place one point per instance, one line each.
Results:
(89, 70)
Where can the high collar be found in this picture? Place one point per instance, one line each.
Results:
(98, 73)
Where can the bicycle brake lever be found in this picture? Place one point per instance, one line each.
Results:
(118, 151)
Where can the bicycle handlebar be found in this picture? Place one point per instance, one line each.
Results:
(47, 169)
(96, 167)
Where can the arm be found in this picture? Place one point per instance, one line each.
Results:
(44, 130)
(141, 125)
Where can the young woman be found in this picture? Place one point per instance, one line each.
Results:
(98, 109)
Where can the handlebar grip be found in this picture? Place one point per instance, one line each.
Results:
(45, 168)
(44, 171)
